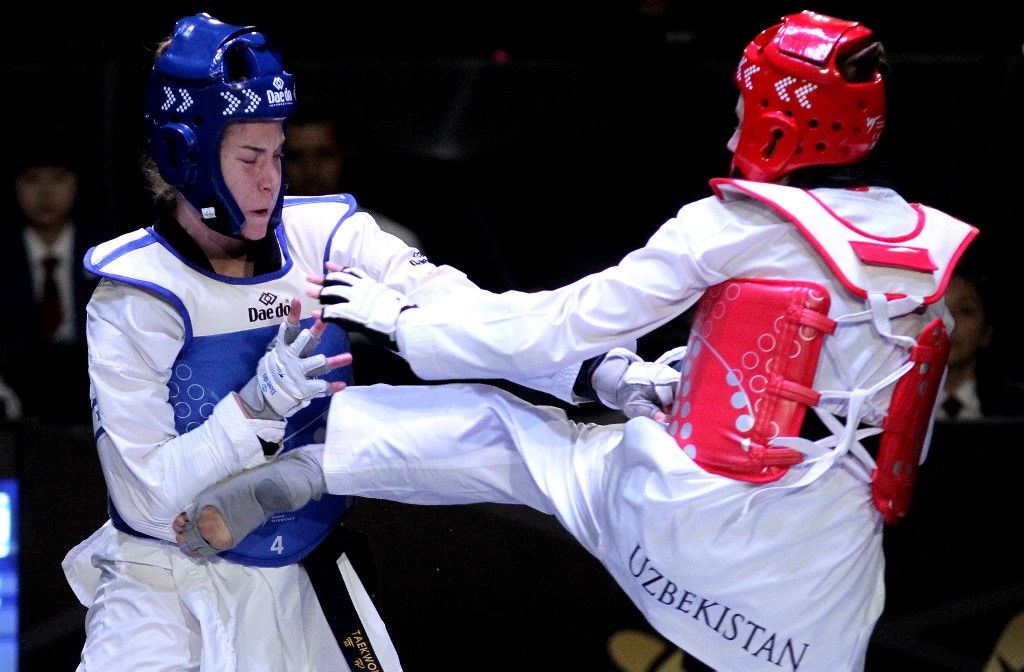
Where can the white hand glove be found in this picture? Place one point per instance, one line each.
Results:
(624, 381)
(355, 300)
(286, 377)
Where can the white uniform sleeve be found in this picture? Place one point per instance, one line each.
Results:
(514, 333)
(152, 473)
(360, 242)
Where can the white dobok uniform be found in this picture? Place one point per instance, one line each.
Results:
(164, 336)
(786, 575)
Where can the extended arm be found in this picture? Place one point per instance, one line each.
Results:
(399, 276)
(479, 334)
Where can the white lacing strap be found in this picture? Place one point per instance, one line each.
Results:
(879, 312)
(881, 317)
(824, 452)
(844, 439)
(881, 307)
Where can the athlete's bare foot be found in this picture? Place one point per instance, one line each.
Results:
(226, 512)
(211, 527)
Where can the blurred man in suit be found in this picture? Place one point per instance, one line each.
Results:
(40, 269)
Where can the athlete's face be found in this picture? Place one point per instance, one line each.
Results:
(250, 161)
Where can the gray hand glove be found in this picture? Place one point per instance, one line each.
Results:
(287, 377)
(356, 301)
(624, 381)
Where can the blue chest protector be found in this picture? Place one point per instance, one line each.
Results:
(212, 367)
(228, 323)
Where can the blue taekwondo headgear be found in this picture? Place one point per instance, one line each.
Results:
(212, 74)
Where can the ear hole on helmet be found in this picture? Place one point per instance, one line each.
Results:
(172, 151)
(820, 146)
(238, 63)
(837, 126)
(812, 123)
(773, 143)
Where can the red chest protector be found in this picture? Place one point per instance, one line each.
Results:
(755, 345)
(750, 362)
(906, 425)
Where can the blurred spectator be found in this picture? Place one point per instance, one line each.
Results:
(319, 158)
(42, 353)
(1008, 654)
(10, 402)
(977, 385)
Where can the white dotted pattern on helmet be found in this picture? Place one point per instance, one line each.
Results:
(254, 101)
(747, 75)
(802, 92)
(233, 103)
(169, 100)
(186, 101)
(780, 87)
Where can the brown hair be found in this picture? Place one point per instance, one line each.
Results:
(164, 195)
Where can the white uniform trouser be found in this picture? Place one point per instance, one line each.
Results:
(154, 609)
(795, 583)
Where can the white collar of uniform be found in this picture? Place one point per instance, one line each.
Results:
(967, 394)
(62, 249)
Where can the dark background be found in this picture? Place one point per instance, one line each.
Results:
(528, 143)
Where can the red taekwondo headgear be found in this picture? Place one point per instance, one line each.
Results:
(799, 109)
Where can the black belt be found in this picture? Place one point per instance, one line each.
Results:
(120, 524)
(322, 567)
